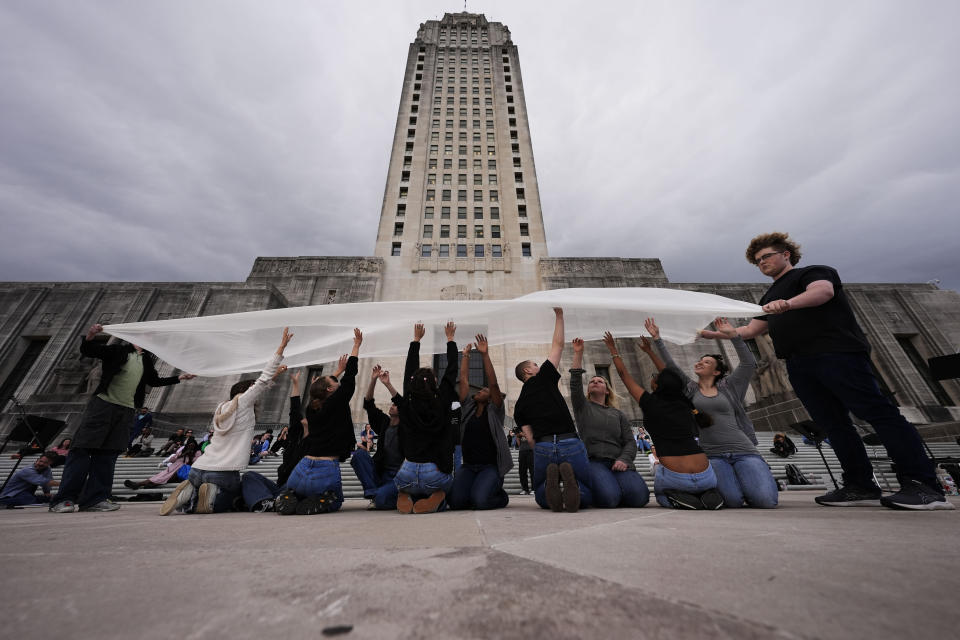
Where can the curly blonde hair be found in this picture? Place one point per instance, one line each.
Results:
(777, 240)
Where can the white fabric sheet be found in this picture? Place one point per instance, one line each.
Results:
(242, 342)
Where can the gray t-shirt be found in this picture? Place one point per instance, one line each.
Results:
(724, 436)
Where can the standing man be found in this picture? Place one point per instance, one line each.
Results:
(813, 328)
(104, 428)
(22, 487)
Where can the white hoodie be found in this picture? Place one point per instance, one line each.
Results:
(233, 426)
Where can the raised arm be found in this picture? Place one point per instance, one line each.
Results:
(817, 293)
(449, 379)
(374, 376)
(496, 396)
(348, 381)
(648, 349)
(385, 379)
(250, 396)
(634, 389)
(576, 376)
(413, 356)
(740, 378)
(756, 327)
(92, 349)
(464, 385)
(556, 348)
(668, 360)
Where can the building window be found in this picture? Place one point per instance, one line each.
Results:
(428, 231)
(494, 196)
(495, 231)
(426, 250)
(518, 177)
(524, 229)
(462, 178)
(494, 213)
(516, 162)
(478, 213)
(461, 231)
(431, 195)
(478, 250)
(447, 163)
(444, 231)
(520, 195)
(398, 229)
(433, 149)
(491, 164)
(401, 210)
(477, 164)
(478, 195)
(448, 149)
(478, 231)
(445, 195)
(463, 149)
(461, 251)
(431, 177)
(525, 249)
(403, 192)
(395, 249)
(522, 210)
(461, 196)
(428, 212)
(496, 251)
(492, 179)
(447, 178)
(461, 213)
(444, 213)
(444, 251)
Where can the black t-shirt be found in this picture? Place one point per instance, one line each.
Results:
(541, 405)
(477, 443)
(828, 328)
(670, 424)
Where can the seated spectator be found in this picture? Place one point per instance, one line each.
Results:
(22, 487)
(266, 439)
(60, 452)
(185, 456)
(643, 441)
(783, 446)
(142, 446)
(280, 442)
(142, 419)
(172, 444)
(255, 450)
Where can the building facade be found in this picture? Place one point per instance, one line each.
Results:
(461, 220)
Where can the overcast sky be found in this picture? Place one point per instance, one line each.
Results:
(178, 140)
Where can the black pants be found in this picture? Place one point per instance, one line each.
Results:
(525, 458)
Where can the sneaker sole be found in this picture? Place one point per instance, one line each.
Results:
(286, 505)
(309, 506)
(404, 503)
(170, 504)
(851, 503)
(571, 490)
(930, 506)
(429, 504)
(552, 489)
(205, 497)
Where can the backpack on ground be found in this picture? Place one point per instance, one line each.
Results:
(795, 476)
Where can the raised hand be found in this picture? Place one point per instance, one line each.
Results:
(466, 350)
(652, 327)
(282, 369)
(558, 311)
(418, 332)
(94, 330)
(450, 330)
(578, 345)
(284, 339)
(357, 337)
(385, 377)
(482, 345)
(295, 377)
(375, 372)
(187, 376)
(645, 345)
(724, 328)
(341, 365)
(608, 340)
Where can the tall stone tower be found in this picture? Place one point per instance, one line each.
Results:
(461, 214)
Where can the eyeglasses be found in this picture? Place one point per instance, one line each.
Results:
(767, 256)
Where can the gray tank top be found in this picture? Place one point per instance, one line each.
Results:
(724, 436)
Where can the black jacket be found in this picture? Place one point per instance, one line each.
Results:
(426, 434)
(114, 356)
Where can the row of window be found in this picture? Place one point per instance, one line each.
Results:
(443, 250)
(446, 195)
(478, 230)
(462, 178)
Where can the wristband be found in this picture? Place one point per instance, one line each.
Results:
(615, 355)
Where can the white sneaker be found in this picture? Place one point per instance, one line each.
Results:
(180, 497)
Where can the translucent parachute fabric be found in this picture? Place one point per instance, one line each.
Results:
(242, 342)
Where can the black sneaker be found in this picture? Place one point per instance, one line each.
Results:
(551, 488)
(683, 500)
(916, 496)
(571, 490)
(850, 496)
(130, 484)
(712, 500)
(286, 503)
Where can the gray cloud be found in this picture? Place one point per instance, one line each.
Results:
(178, 141)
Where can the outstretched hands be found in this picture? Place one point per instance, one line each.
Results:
(482, 345)
(450, 330)
(652, 328)
(419, 331)
(611, 344)
(282, 369)
(578, 345)
(724, 328)
(645, 345)
(375, 372)
(284, 340)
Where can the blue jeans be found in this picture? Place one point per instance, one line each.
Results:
(833, 385)
(478, 486)
(228, 483)
(695, 483)
(378, 487)
(744, 476)
(420, 479)
(313, 477)
(87, 476)
(569, 450)
(617, 488)
(256, 488)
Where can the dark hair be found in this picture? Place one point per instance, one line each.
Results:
(722, 367)
(319, 391)
(670, 387)
(49, 455)
(776, 240)
(240, 387)
(190, 448)
(520, 370)
(424, 382)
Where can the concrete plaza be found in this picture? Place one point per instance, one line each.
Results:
(521, 572)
